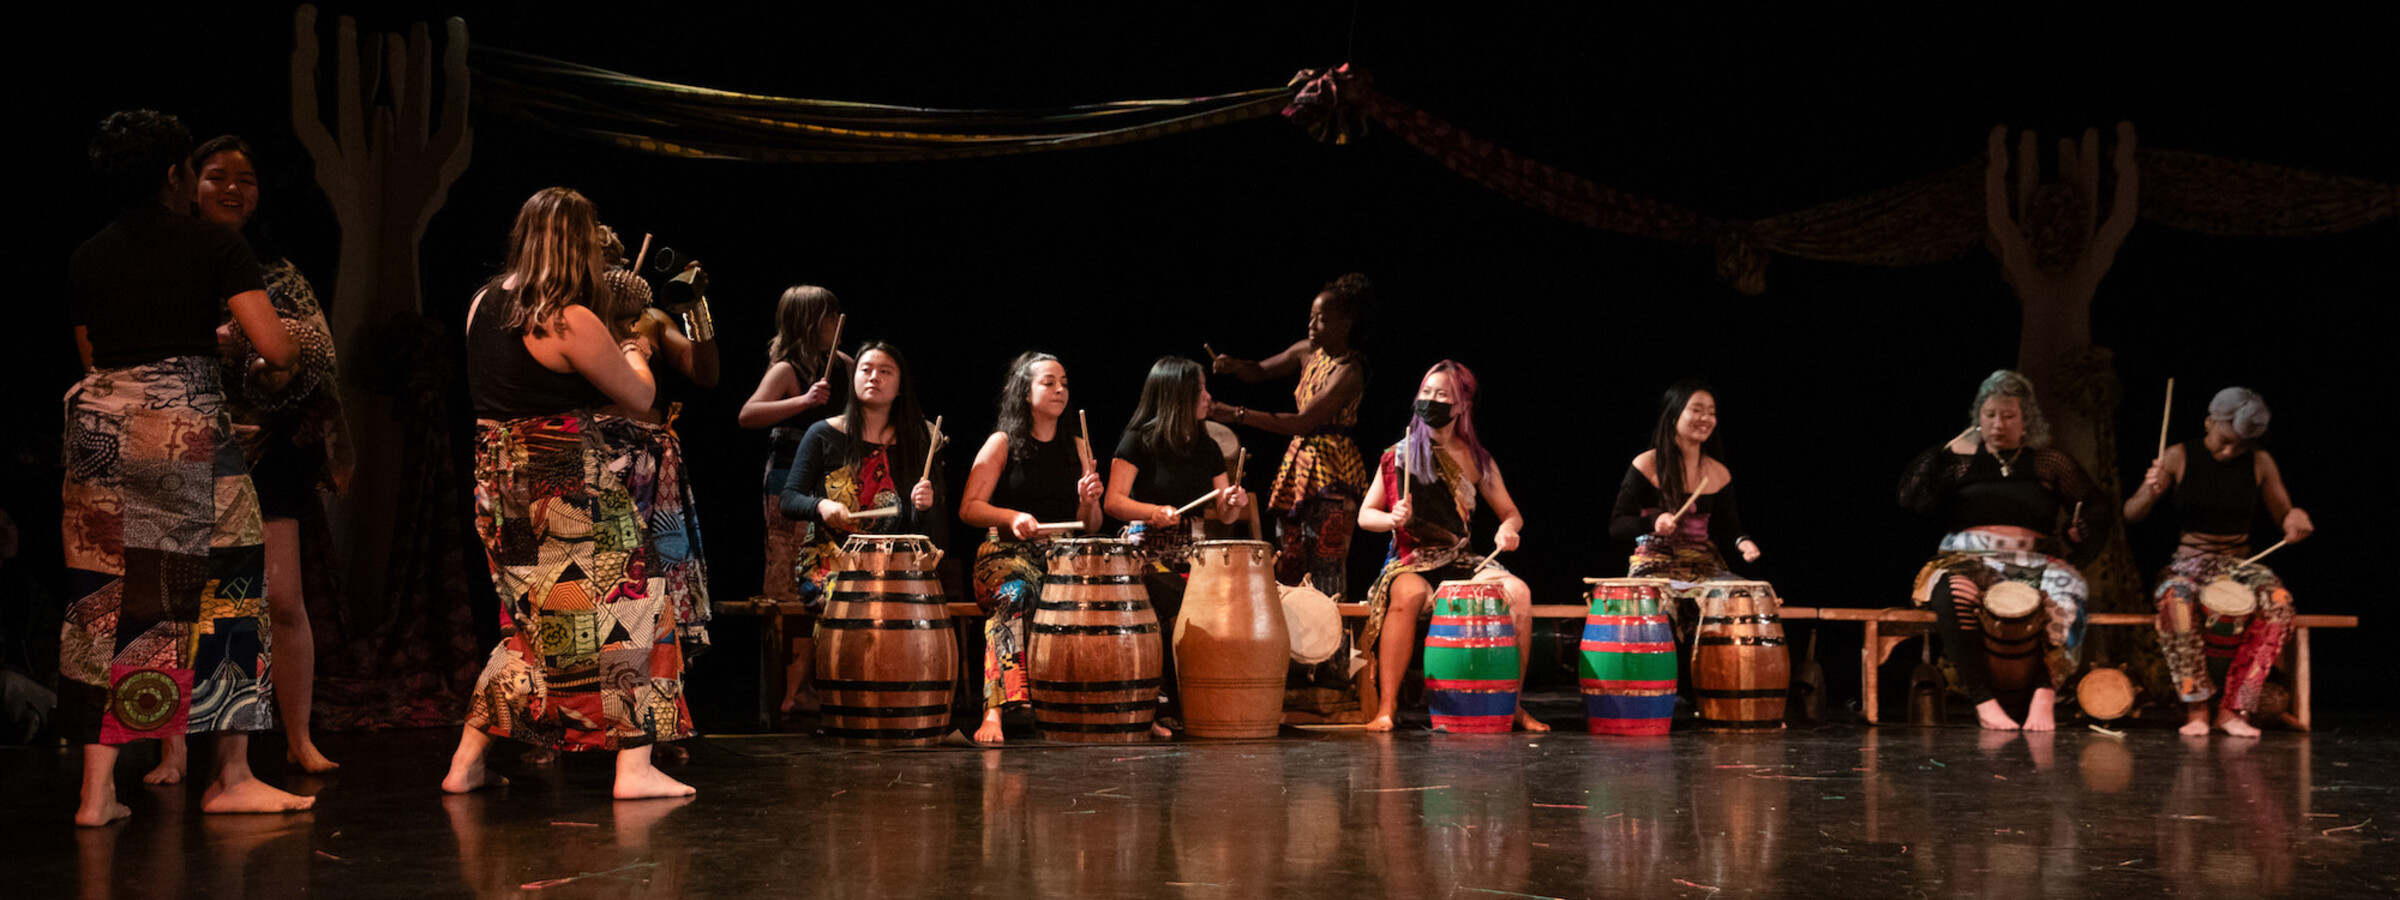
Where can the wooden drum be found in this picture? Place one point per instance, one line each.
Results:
(2014, 620)
(1740, 669)
(1471, 674)
(1628, 659)
(1231, 642)
(2106, 694)
(886, 660)
(1093, 652)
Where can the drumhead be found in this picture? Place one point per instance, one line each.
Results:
(1314, 622)
(2012, 599)
(2227, 597)
(1469, 588)
(1094, 546)
(2105, 694)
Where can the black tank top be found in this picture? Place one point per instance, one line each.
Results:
(1043, 481)
(2217, 497)
(503, 378)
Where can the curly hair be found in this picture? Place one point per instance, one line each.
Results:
(1016, 404)
(1349, 296)
(2011, 383)
(131, 152)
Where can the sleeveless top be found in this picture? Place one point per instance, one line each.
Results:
(1042, 482)
(1325, 463)
(2217, 497)
(505, 381)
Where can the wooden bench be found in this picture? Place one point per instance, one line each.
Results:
(1886, 628)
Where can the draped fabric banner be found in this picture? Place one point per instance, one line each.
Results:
(1933, 218)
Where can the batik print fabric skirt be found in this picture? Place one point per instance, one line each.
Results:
(167, 634)
(1974, 561)
(649, 463)
(1008, 580)
(588, 657)
(2246, 646)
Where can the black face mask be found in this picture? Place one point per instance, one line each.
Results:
(1435, 413)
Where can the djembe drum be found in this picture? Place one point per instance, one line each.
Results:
(2013, 622)
(1231, 642)
(886, 661)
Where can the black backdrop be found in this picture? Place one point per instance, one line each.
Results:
(1110, 257)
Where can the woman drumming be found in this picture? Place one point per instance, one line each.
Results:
(1318, 488)
(857, 462)
(1682, 461)
(1027, 474)
(1164, 462)
(787, 402)
(589, 658)
(2004, 492)
(156, 488)
(1446, 471)
(2218, 483)
(295, 439)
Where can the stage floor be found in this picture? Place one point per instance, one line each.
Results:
(1840, 810)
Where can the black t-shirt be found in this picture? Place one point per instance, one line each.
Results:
(150, 286)
(1042, 482)
(1174, 476)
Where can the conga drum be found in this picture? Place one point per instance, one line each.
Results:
(1231, 642)
(1628, 659)
(2013, 622)
(886, 660)
(1094, 653)
(1471, 674)
(1740, 669)
(2105, 694)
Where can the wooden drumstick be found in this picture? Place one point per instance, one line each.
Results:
(933, 448)
(1594, 580)
(2262, 554)
(2164, 418)
(1694, 498)
(1212, 351)
(880, 512)
(636, 268)
(1057, 526)
(1083, 439)
(1485, 564)
(834, 351)
(1204, 498)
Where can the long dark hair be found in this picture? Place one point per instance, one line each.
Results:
(1016, 405)
(1418, 449)
(909, 438)
(1667, 455)
(1164, 420)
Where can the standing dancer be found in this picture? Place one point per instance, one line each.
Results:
(1424, 493)
(2004, 491)
(589, 658)
(2219, 482)
(1164, 465)
(1028, 474)
(169, 633)
(1318, 488)
(855, 463)
(796, 392)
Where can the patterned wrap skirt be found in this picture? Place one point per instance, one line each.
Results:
(166, 561)
(649, 463)
(785, 536)
(1008, 580)
(588, 657)
(1974, 561)
(2190, 640)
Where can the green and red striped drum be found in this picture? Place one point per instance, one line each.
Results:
(1628, 659)
(1471, 674)
(1094, 653)
(885, 656)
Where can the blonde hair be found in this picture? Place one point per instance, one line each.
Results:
(554, 258)
(799, 317)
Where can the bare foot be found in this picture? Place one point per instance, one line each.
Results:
(100, 811)
(173, 759)
(251, 795)
(989, 731)
(803, 703)
(2236, 724)
(646, 782)
(309, 759)
(1526, 722)
(2291, 721)
(1160, 731)
(1988, 715)
(2042, 715)
(469, 776)
(1380, 723)
(2196, 726)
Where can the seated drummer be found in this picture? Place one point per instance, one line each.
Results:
(2219, 482)
(2004, 491)
(1446, 469)
(1683, 460)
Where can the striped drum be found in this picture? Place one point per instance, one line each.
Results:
(1094, 654)
(1628, 665)
(1471, 673)
(885, 655)
(1740, 670)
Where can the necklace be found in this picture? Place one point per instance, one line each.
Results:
(2007, 466)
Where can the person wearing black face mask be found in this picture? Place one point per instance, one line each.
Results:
(1424, 493)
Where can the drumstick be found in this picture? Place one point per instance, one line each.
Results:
(834, 351)
(2262, 554)
(1057, 526)
(1204, 498)
(1487, 563)
(1694, 498)
(880, 512)
(1083, 439)
(1212, 351)
(933, 448)
(2164, 418)
(636, 268)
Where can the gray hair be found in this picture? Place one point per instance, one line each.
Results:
(2011, 383)
(2242, 408)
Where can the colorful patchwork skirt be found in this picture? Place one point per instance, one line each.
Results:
(2245, 646)
(1975, 561)
(165, 557)
(650, 464)
(1008, 579)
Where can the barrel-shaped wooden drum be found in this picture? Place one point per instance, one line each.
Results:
(2014, 619)
(886, 660)
(1741, 671)
(1628, 660)
(1094, 652)
(1231, 642)
(1471, 674)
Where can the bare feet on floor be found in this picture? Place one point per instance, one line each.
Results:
(101, 811)
(646, 782)
(469, 776)
(2041, 716)
(2195, 725)
(989, 731)
(1380, 723)
(310, 759)
(174, 758)
(251, 795)
(1988, 715)
(2236, 724)
(1160, 731)
(1526, 722)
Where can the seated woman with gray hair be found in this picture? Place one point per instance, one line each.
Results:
(2211, 605)
(2022, 516)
